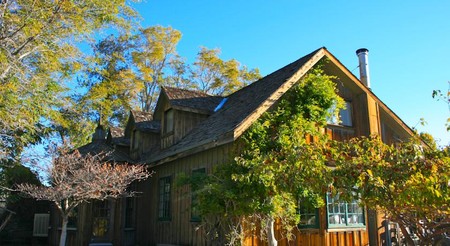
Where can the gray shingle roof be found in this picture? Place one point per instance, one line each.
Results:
(101, 147)
(240, 105)
(191, 99)
(149, 126)
(140, 116)
(116, 132)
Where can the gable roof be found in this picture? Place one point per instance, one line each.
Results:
(246, 105)
(242, 108)
(189, 100)
(116, 135)
(116, 132)
(140, 116)
(149, 126)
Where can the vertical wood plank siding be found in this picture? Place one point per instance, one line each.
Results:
(179, 230)
(183, 123)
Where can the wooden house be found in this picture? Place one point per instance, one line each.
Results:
(191, 132)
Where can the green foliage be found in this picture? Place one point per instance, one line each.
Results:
(406, 180)
(275, 162)
(127, 71)
(110, 81)
(14, 175)
(38, 53)
(156, 52)
(213, 75)
(439, 95)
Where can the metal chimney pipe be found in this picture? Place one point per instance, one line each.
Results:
(363, 55)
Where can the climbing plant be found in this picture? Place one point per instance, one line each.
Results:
(275, 165)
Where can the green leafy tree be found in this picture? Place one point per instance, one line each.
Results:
(37, 52)
(127, 71)
(110, 81)
(276, 165)
(408, 182)
(157, 50)
(216, 76)
(20, 210)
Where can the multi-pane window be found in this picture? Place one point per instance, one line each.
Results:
(196, 174)
(129, 211)
(309, 216)
(101, 218)
(344, 214)
(168, 121)
(164, 198)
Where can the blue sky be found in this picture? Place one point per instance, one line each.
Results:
(408, 42)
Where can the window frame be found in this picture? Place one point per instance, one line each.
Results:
(164, 198)
(337, 121)
(348, 113)
(168, 124)
(336, 202)
(101, 219)
(316, 214)
(130, 208)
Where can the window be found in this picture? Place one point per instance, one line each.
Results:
(196, 174)
(101, 218)
(345, 115)
(73, 217)
(164, 198)
(168, 121)
(130, 207)
(135, 144)
(129, 212)
(309, 215)
(343, 214)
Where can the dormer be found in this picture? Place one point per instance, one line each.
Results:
(145, 139)
(116, 138)
(180, 110)
(143, 133)
(134, 118)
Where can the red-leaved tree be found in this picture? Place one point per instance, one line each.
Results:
(77, 178)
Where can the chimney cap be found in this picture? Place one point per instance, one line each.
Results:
(361, 50)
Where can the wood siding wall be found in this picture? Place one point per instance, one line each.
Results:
(184, 122)
(179, 230)
(144, 143)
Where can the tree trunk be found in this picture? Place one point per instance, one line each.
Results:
(272, 241)
(62, 239)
